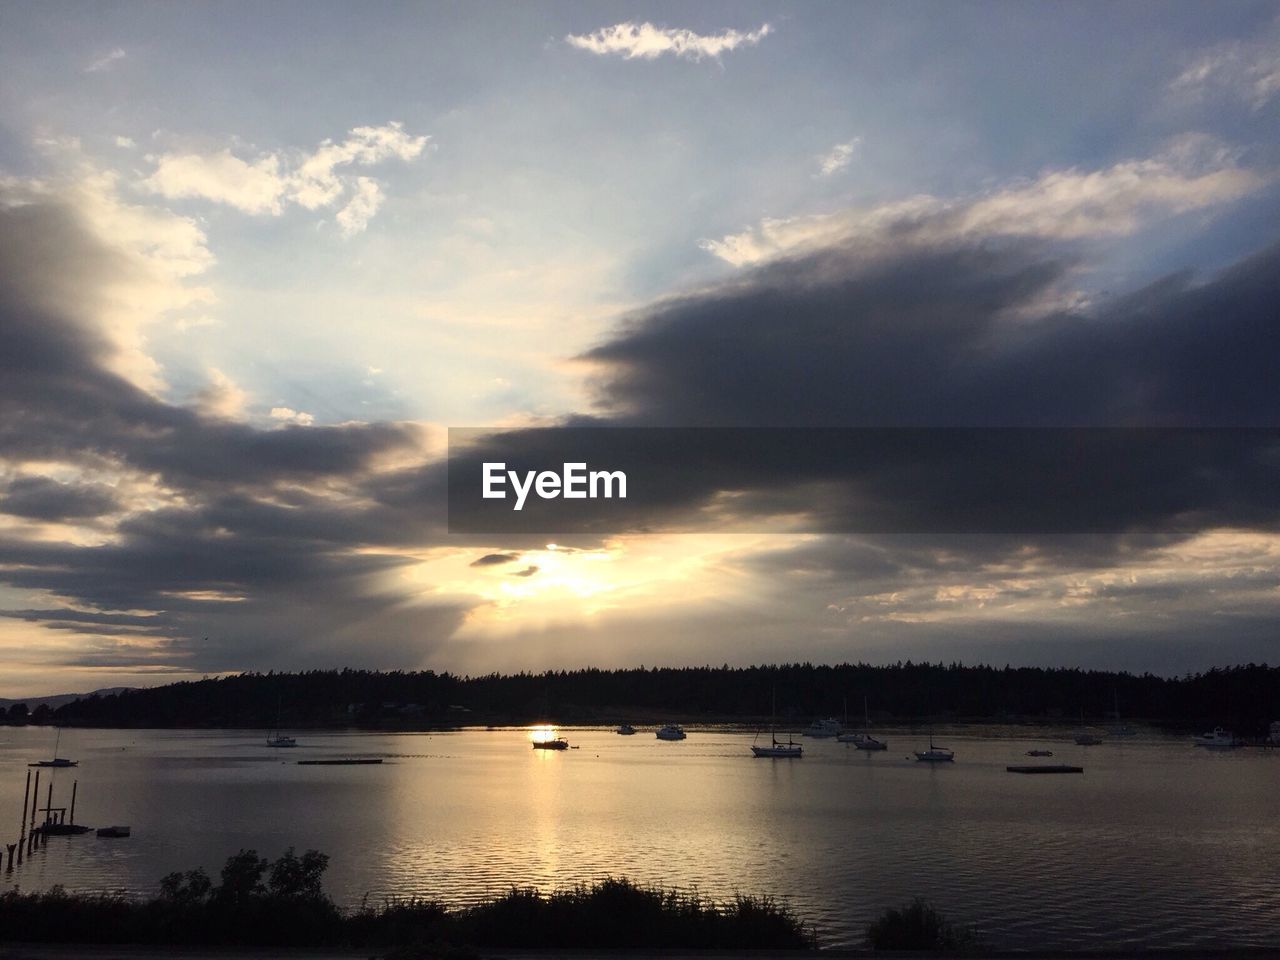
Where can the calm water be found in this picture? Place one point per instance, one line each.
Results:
(1158, 843)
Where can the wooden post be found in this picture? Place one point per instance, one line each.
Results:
(22, 824)
(48, 806)
(12, 847)
(35, 802)
(72, 814)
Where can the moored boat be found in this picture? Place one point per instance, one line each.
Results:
(824, 729)
(1218, 739)
(672, 731)
(935, 754)
(863, 740)
(57, 761)
(776, 748)
(559, 743)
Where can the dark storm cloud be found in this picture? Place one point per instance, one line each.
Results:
(493, 559)
(253, 556)
(59, 401)
(930, 338)
(40, 498)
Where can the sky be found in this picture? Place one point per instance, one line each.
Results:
(255, 261)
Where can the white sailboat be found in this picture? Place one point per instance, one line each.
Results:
(935, 754)
(776, 749)
(57, 761)
(1083, 737)
(863, 739)
(1118, 728)
(274, 737)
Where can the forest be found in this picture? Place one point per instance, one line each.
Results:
(1246, 697)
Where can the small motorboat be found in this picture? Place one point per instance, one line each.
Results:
(113, 831)
(559, 743)
(1039, 753)
(626, 730)
(672, 731)
(1218, 739)
(281, 741)
(1086, 739)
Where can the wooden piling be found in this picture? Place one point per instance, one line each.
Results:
(35, 802)
(22, 824)
(71, 817)
(12, 847)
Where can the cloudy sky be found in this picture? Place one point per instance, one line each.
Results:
(254, 261)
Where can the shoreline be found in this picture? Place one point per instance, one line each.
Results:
(41, 951)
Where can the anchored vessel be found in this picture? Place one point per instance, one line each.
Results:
(935, 754)
(777, 749)
(1218, 739)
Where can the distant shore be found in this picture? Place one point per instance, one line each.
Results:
(41, 951)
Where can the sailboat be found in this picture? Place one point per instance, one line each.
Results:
(776, 749)
(935, 754)
(1083, 737)
(57, 761)
(863, 740)
(1118, 729)
(277, 739)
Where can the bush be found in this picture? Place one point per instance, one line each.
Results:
(919, 927)
(261, 903)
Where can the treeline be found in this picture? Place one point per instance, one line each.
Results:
(283, 904)
(1246, 698)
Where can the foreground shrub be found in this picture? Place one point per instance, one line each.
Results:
(919, 927)
(261, 903)
(619, 914)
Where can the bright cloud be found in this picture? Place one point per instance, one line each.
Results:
(364, 203)
(158, 253)
(267, 183)
(254, 187)
(107, 61)
(1194, 173)
(1249, 71)
(645, 41)
(222, 397)
(289, 415)
(838, 157)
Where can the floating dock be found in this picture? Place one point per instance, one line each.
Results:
(1045, 768)
(348, 762)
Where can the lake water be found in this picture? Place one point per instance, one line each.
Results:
(1158, 843)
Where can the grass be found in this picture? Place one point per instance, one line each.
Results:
(919, 926)
(261, 903)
